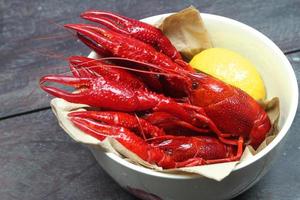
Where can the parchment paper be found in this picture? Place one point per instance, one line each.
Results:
(186, 31)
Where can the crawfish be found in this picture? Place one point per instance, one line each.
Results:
(104, 92)
(227, 110)
(162, 150)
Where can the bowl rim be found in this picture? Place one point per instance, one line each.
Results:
(268, 148)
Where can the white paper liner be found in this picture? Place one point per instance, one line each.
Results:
(61, 108)
(186, 31)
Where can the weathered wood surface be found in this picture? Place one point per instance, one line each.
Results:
(39, 161)
(25, 56)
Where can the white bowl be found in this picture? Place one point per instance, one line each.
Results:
(280, 81)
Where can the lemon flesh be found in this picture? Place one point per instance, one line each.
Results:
(231, 68)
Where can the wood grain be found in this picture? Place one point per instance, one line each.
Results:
(25, 54)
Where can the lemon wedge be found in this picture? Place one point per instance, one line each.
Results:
(231, 68)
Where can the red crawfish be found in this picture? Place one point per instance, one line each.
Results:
(227, 110)
(162, 150)
(104, 92)
(132, 142)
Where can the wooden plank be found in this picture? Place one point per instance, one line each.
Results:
(39, 161)
(23, 23)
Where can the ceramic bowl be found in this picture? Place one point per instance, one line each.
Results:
(280, 81)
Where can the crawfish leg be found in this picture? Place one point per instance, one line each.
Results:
(167, 121)
(81, 71)
(222, 136)
(177, 109)
(201, 116)
(65, 80)
(233, 158)
(173, 108)
(98, 49)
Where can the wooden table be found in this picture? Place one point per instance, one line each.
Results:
(38, 160)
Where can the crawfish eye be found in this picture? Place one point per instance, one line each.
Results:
(195, 85)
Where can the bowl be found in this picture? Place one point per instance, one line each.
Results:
(280, 81)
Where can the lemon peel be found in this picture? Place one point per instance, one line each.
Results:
(231, 68)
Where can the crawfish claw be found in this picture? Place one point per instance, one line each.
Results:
(65, 80)
(100, 40)
(134, 28)
(85, 30)
(110, 20)
(100, 51)
(131, 122)
(93, 128)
